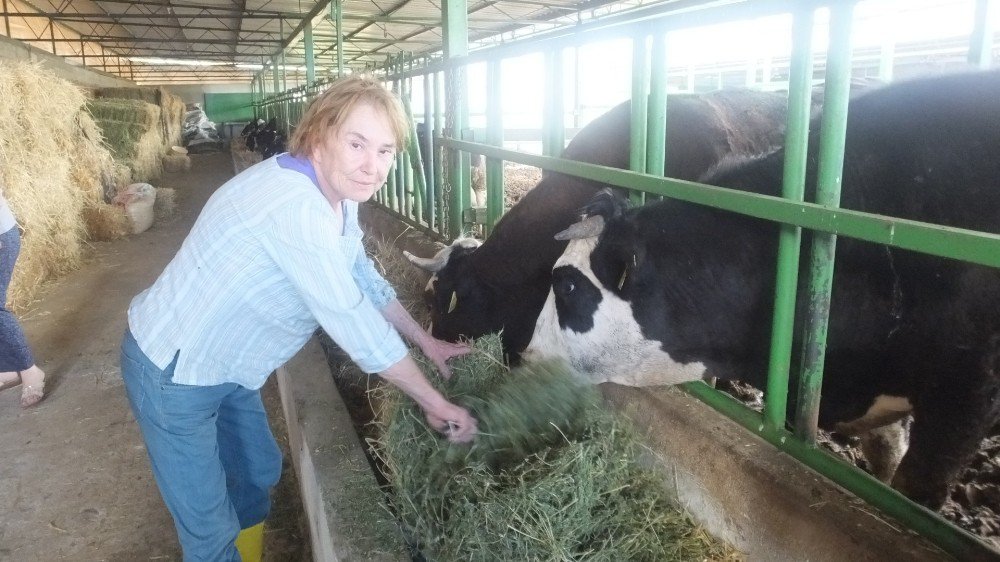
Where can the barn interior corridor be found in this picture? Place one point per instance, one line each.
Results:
(75, 481)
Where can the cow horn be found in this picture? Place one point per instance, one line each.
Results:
(432, 265)
(453, 302)
(587, 228)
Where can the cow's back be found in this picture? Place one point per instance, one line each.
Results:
(515, 262)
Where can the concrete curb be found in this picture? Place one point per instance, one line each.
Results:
(334, 474)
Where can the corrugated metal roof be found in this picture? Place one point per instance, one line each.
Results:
(238, 36)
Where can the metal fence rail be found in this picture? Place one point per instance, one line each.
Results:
(433, 196)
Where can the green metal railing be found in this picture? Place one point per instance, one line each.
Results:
(438, 203)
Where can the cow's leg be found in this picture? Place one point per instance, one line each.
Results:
(951, 417)
(884, 448)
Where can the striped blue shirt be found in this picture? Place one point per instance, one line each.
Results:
(261, 269)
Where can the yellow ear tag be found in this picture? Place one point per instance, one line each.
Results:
(453, 303)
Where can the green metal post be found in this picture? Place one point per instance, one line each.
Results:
(274, 75)
(281, 55)
(414, 156)
(439, 95)
(553, 119)
(981, 45)
(790, 236)
(456, 44)
(640, 103)
(656, 122)
(428, 159)
(337, 15)
(307, 41)
(824, 245)
(494, 136)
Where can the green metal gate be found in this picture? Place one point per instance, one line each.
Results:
(438, 203)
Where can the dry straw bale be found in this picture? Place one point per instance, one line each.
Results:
(171, 108)
(243, 157)
(133, 131)
(173, 163)
(166, 203)
(52, 168)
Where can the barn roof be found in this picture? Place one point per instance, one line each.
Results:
(237, 36)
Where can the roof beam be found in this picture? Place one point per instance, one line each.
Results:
(90, 16)
(106, 39)
(192, 6)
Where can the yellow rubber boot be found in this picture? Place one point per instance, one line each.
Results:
(250, 543)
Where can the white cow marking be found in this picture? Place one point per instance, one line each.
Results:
(614, 350)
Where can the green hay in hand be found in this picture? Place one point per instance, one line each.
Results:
(551, 475)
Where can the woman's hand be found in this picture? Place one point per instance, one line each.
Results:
(440, 351)
(455, 422)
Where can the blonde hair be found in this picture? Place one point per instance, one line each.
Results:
(328, 112)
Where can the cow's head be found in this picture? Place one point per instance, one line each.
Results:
(589, 318)
(458, 301)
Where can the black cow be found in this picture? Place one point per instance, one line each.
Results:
(674, 291)
(249, 133)
(501, 285)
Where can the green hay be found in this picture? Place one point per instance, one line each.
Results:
(126, 111)
(171, 107)
(134, 145)
(551, 476)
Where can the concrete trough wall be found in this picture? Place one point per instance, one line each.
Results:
(738, 486)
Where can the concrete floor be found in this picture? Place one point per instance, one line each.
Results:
(75, 481)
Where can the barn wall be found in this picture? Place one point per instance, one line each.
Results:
(195, 93)
(11, 49)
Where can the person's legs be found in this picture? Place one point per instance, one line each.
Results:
(249, 454)
(178, 424)
(15, 355)
(252, 461)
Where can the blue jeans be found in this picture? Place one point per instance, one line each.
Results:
(212, 451)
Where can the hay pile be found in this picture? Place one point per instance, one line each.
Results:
(171, 108)
(133, 131)
(243, 157)
(552, 476)
(55, 172)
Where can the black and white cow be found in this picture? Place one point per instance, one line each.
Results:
(501, 284)
(673, 291)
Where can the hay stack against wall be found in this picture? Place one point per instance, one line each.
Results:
(53, 169)
(171, 108)
(133, 130)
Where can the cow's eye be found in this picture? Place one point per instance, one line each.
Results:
(570, 286)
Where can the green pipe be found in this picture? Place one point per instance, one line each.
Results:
(981, 41)
(553, 120)
(494, 132)
(427, 160)
(789, 237)
(656, 122)
(442, 227)
(640, 103)
(456, 44)
(413, 156)
(274, 74)
(307, 41)
(824, 245)
(958, 243)
(957, 542)
(338, 22)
